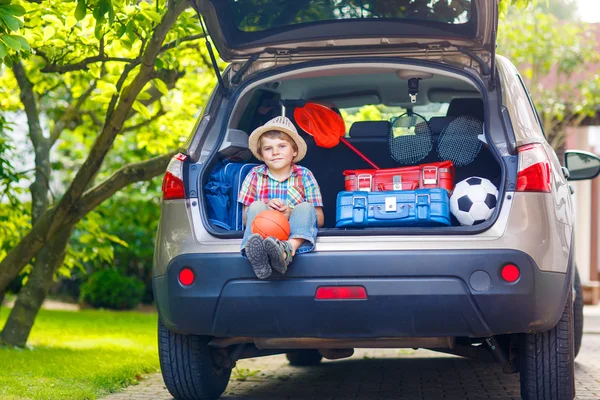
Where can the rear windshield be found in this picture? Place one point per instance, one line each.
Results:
(261, 15)
(380, 112)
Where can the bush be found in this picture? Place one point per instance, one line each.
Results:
(109, 289)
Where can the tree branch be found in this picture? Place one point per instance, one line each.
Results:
(175, 43)
(39, 187)
(28, 99)
(141, 171)
(156, 116)
(94, 117)
(83, 64)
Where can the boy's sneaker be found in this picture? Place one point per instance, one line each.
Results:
(280, 253)
(255, 251)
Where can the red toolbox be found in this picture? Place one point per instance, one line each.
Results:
(424, 176)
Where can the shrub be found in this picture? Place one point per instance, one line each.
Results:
(107, 288)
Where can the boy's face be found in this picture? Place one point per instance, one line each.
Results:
(277, 153)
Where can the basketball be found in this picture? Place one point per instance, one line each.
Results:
(271, 223)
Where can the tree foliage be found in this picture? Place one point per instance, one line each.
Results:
(553, 58)
(11, 21)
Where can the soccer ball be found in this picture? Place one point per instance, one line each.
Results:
(473, 200)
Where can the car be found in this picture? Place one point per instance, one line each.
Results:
(504, 287)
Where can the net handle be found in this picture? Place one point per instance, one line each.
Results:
(354, 149)
(329, 113)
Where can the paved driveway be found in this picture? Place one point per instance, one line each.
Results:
(386, 374)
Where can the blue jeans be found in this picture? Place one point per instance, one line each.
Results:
(303, 224)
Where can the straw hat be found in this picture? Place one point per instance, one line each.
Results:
(281, 124)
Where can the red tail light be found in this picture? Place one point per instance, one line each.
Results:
(534, 169)
(341, 293)
(172, 185)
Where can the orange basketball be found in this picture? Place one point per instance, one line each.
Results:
(271, 223)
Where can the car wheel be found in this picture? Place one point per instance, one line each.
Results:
(577, 313)
(304, 358)
(547, 360)
(188, 366)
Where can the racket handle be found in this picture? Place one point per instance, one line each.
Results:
(357, 151)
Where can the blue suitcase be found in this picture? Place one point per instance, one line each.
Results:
(421, 207)
(221, 193)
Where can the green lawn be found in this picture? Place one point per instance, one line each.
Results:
(79, 355)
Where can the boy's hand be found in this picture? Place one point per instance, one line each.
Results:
(276, 204)
(279, 205)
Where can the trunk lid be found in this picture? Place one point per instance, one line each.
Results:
(266, 29)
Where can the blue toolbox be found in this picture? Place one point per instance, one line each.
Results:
(421, 207)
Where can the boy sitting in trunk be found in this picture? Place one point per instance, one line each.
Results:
(282, 185)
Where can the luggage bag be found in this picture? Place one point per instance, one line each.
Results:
(421, 207)
(222, 191)
(424, 176)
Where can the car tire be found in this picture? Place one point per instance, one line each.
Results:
(547, 360)
(188, 366)
(304, 358)
(577, 313)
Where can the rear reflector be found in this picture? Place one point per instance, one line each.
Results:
(510, 273)
(186, 276)
(341, 293)
(534, 169)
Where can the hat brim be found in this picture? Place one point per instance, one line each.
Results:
(254, 139)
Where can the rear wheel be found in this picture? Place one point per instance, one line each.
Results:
(546, 360)
(304, 358)
(577, 313)
(188, 366)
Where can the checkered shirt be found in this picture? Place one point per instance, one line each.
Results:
(300, 187)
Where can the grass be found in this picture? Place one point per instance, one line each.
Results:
(79, 355)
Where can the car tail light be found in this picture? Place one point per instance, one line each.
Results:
(186, 276)
(341, 293)
(510, 273)
(534, 169)
(172, 185)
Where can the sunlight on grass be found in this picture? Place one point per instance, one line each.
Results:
(79, 355)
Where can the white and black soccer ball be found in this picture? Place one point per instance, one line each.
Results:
(473, 200)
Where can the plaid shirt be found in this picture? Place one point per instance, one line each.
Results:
(300, 187)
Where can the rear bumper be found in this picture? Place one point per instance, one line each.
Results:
(410, 293)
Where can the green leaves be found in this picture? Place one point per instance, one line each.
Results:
(555, 60)
(49, 31)
(80, 10)
(10, 22)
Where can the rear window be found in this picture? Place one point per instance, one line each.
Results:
(261, 15)
(381, 112)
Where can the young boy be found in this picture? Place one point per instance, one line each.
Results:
(282, 185)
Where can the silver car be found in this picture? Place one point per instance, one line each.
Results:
(502, 287)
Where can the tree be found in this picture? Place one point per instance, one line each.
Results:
(542, 48)
(130, 71)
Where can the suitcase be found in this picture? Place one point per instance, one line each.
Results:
(222, 191)
(421, 207)
(424, 176)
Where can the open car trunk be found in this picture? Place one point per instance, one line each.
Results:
(374, 102)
